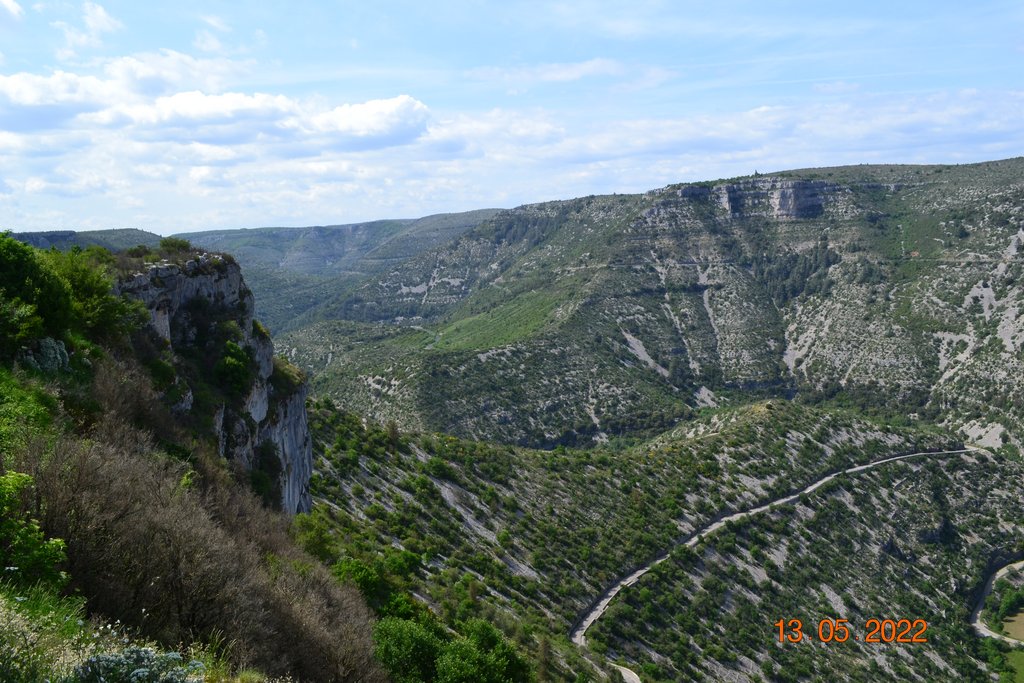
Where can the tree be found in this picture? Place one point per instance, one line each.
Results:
(406, 649)
(36, 301)
(95, 309)
(175, 245)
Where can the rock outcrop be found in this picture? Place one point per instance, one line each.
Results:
(269, 419)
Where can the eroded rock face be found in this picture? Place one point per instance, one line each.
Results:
(776, 198)
(178, 298)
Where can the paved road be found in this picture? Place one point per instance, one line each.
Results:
(579, 634)
(979, 626)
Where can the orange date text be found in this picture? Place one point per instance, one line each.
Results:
(840, 631)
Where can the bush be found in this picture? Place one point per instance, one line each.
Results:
(44, 636)
(36, 301)
(481, 656)
(286, 378)
(235, 371)
(139, 665)
(206, 573)
(406, 649)
(175, 245)
(95, 310)
(26, 556)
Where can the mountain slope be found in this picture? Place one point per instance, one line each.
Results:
(292, 269)
(569, 322)
(528, 539)
(113, 240)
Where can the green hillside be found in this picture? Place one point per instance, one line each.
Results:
(528, 539)
(112, 240)
(892, 288)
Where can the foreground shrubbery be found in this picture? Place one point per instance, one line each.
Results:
(179, 551)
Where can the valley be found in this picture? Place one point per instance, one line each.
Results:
(580, 321)
(634, 324)
(618, 436)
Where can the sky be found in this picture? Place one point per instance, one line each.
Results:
(184, 116)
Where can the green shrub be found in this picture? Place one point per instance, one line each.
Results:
(26, 556)
(95, 310)
(139, 665)
(175, 245)
(482, 655)
(36, 301)
(406, 649)
(235, 370)
(286, 377)
(44, 636)
(23, 410)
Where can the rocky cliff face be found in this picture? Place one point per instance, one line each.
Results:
(264, 428)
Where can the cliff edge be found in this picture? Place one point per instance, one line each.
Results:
(221, 371)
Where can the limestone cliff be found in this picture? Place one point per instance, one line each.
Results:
(258, 418)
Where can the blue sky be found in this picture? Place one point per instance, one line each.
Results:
(206, 115)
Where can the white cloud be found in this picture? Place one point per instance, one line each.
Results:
(27, 89)
(216, 23)
(550, 73)
(96, 22)
(13, 8)
(374, 118)
(168, 71)
(195, 107)
(497, 130)
(207, 42)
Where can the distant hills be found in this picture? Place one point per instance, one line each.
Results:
(889, 288)
(292, 270)
(114, 240)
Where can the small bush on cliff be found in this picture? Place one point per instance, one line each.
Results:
(174, 245)
(235, 370)
(286, 377)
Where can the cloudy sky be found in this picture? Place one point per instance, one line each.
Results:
(201, 115)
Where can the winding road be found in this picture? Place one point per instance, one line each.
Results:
(977, 624)
(600, 606)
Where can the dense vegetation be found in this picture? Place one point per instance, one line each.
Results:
(867, 546)
(85, 484)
